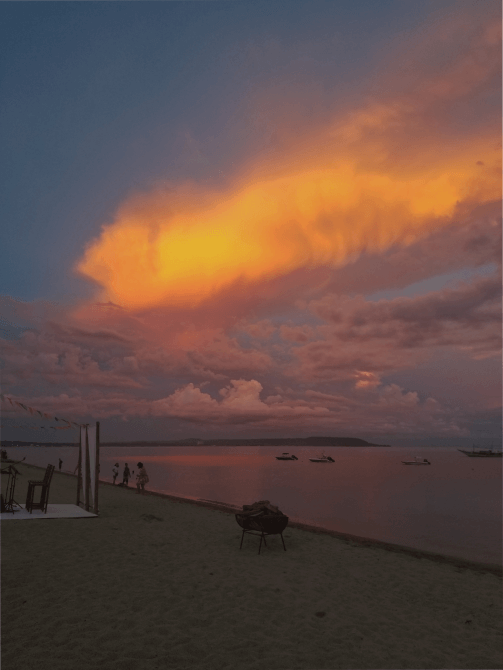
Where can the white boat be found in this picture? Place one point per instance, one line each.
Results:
(322, 459)
(417, 461)
(286, 457)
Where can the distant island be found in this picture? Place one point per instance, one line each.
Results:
(194, 442)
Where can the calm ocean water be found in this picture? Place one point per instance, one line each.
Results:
(452, 507)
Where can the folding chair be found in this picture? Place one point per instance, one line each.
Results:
(44, 493)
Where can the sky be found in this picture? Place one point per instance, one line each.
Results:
(260, 219)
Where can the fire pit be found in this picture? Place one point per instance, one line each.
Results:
(262, 519)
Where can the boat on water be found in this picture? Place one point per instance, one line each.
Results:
(5, 459)
(417, 461)
(481, 453)
(322, 459)
(287, 457)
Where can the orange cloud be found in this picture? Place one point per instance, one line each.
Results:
(309, 218)
(380, 175)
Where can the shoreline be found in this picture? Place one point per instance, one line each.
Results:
(462, 563)
(162, 581)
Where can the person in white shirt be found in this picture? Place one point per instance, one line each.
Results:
(141, 479)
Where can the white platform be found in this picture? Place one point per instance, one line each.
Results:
(53, 512)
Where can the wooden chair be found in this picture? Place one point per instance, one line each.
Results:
(269, 524)
(44, 493)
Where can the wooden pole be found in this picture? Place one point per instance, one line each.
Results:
(88, 472)
(79, 474)
(97, 469)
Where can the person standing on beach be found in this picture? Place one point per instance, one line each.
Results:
(60, 464)
(126, 475)
(115, 472)
(141, 479)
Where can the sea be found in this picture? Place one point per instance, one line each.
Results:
(452, 507)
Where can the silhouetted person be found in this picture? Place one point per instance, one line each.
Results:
(126, 475)
(141, 479)
(60, 463)
(115, 472)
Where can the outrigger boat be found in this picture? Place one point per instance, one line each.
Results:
(286, 457)
(481, 453)
(4, 459)
(322, 459)
(416, 461)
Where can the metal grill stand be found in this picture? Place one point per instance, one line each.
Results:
(9, 502)
(262, 526)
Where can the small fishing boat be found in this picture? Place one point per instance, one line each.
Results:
(417, 461)
(5, 459)
(481, 453)
(287, 457)
(322, 459)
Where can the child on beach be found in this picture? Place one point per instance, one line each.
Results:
(115, 471)
(126, 475)
(141, 479)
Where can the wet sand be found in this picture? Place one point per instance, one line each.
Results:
(159, 582)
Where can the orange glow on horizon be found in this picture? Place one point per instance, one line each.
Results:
(202, 459)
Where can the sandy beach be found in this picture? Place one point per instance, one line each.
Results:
(157, 582)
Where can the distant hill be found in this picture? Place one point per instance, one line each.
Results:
(194, 442)
(19, 443)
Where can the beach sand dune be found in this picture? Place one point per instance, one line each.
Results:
(158, 583)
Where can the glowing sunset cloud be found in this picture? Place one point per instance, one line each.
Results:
(385, 173)
(303, 218)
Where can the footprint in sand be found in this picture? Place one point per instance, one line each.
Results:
(150, 517)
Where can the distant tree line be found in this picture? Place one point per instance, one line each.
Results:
(195, 442)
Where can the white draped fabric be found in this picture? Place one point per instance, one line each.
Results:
(83, 453)
(90, 453)
(91, 437)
